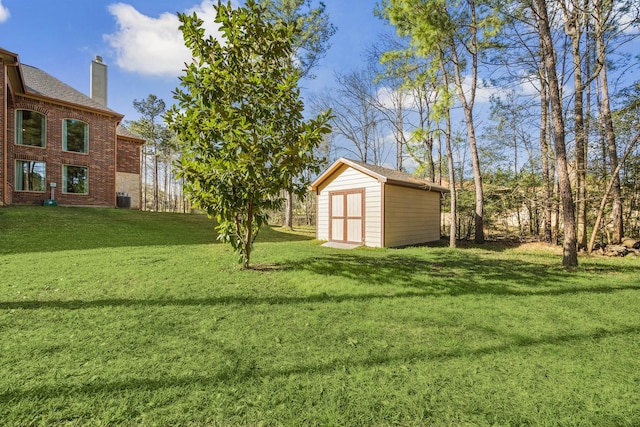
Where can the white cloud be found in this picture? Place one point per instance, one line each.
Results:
(4, 12)
(150, 45)
(389, 97)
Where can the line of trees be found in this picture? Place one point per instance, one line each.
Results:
(555, 157)
(557, 129)
(162, 190)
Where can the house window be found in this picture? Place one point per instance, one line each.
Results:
(75, 136)
(30, 176)
(30, 128)
(75, 180)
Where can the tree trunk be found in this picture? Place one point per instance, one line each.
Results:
(570, 250)
(248, 237)
(588, 59)
(574, 23)
(453, 200)
(439, 176)
(580, 135)
(607, 122)
(144, 179)
(288, 210)
(155, 179)
(400, 132)
(166, 199)
(605, 196)
(467, 106)
(545, 149)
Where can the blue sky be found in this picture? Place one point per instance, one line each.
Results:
(140, 42)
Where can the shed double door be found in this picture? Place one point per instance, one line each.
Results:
(347, 216)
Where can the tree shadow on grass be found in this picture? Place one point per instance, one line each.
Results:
(414, 289)
(241, 371)
(460, 273)
(443, 273)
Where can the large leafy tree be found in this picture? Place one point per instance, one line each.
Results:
(239, 121)
(310, 45)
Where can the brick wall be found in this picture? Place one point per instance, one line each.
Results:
(99, 160)
(3, 95)
(128, 170)
(128, 156)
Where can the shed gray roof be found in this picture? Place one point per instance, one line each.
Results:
(40, 83)
(398, 176)
(386, 175)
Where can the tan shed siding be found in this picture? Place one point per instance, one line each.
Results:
(347, 178)
(322, 218)
(412, 216)
(373, 218)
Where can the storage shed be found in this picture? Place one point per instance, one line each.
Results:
(375, 206)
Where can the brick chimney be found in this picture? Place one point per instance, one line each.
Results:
(99, 81)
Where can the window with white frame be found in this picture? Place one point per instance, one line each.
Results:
(31, 176)
(75, 180)
(30, 128)
(75, 136)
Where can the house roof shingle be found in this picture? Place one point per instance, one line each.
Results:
(41, 83)
(126, 133)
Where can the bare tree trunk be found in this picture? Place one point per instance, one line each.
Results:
(467, 106)
(607, 122)
(144, 179)
(155, 179)
(573, 27)
(453, 202)
(570, 250)
(166, 199)
(439, 179)
(425, 125)
(605, 196)
(248, 237)
(184, 198)
(556, 209)
(547, 177)
(288, 210)
(588, 58)
(400, 131)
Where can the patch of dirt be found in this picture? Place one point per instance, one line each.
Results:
(540, 246)
(498, 243)
(268, 267)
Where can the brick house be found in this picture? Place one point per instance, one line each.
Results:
(54, 138)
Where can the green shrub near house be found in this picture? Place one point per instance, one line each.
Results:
(114, 317)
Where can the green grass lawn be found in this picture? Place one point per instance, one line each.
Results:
(112, 317)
